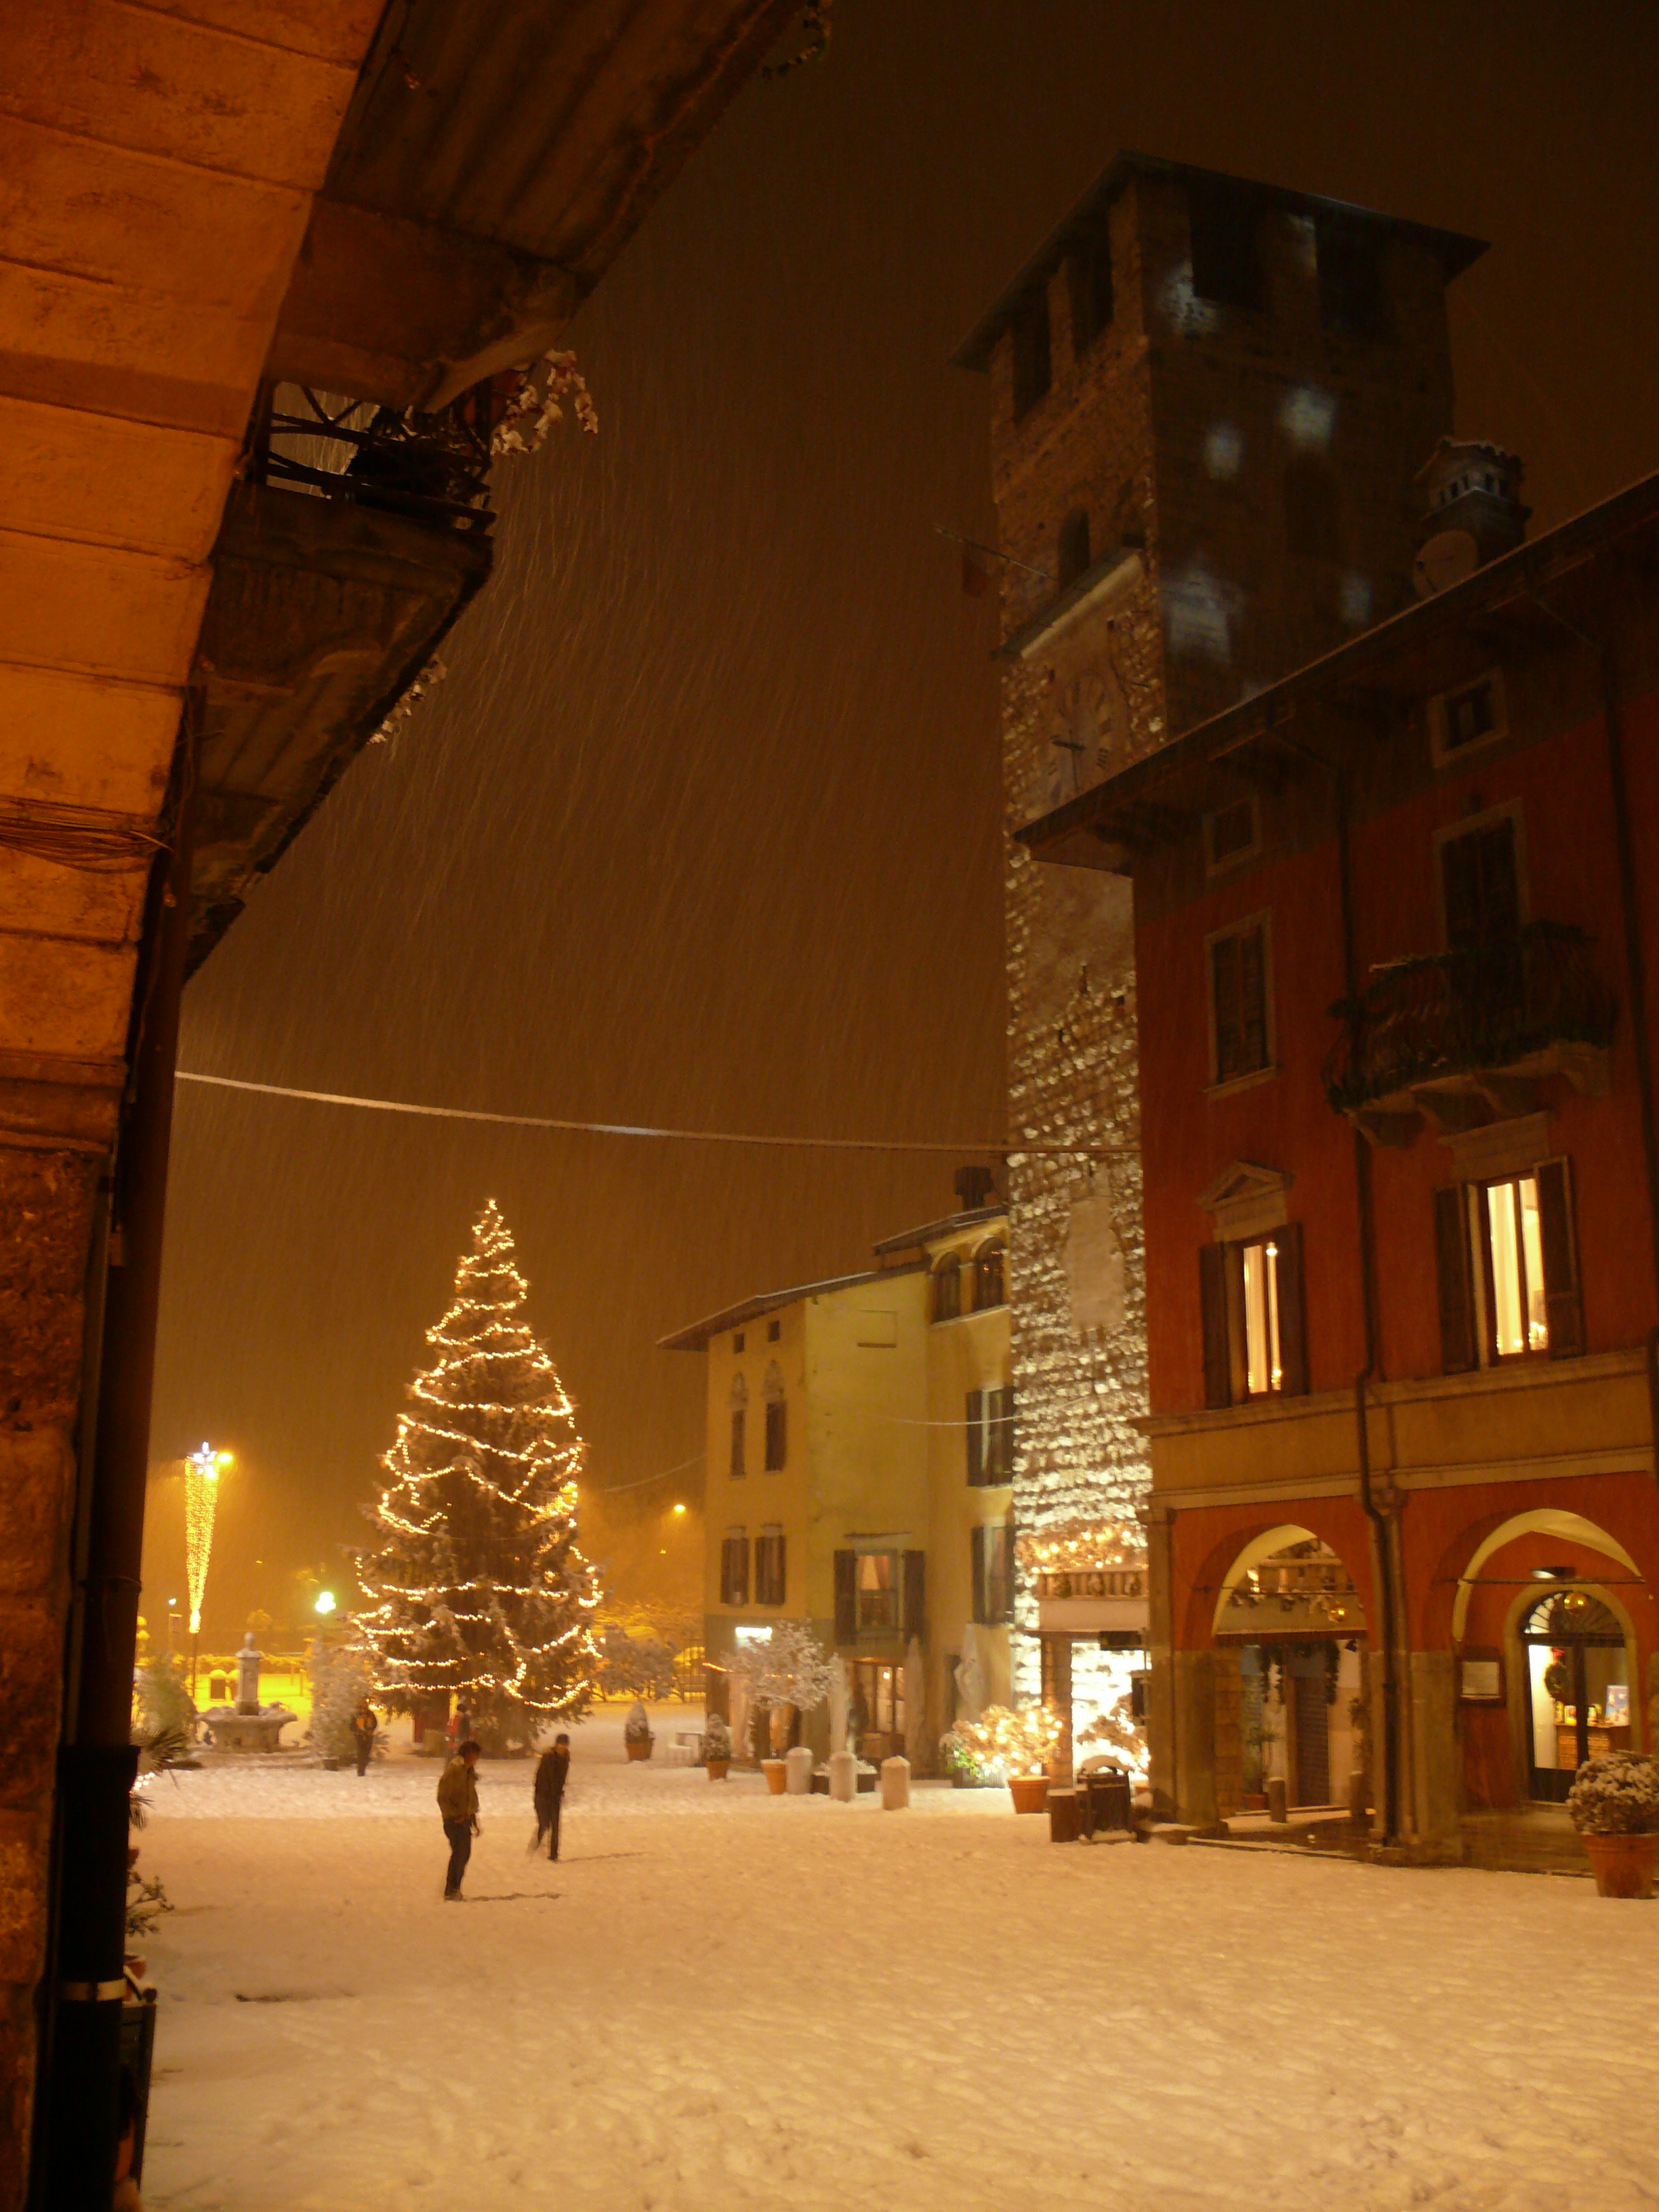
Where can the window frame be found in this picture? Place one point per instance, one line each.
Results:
(991, 1554)
(736, 1468)
(734, 1555)
(1216, 864)
(1446, 756)
(1463, 1269)
(1218, 1085)
(1224, 1316)
(947, 1265)
(1473, 825)
(771, 1565)
(993, 1248)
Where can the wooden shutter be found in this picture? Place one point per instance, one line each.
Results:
(847, 1597)
(737, 1443)
(1252, 1000)
(1002, 1434)
(1292, 1311)
(975, 1439)
(978, 1534)
(1563, 1303)
(1212, 1296)
(1223, 1000)
(1451, 1254)
(915, 1594)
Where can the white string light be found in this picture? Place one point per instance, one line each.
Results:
(477, 1586)
(202, 1470)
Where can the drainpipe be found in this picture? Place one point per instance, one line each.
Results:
(75, 2135)
(1382, 1532)
(1635, 957)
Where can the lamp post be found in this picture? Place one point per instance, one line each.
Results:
(202, 1472)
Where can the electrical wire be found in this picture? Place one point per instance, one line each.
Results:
(1001, 1145)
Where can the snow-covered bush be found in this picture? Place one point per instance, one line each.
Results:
(716, 1738)
(166, 1709)
(1616, 1794)
(634, 1666)
(636, 1728)
(1006, 1742)
(787, 1666)
(1120, 1732)
(340, 1680)
(956, 1758)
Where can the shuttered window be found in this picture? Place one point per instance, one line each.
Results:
(777, 1434)
(1238, 1002)
(1480, 886)
(737, 1463)
(734, 1568)
(993, 1579)
(769, 1576)
(1254, 1312)
(847, 1598)
(990, 1430)
(1507, 1262)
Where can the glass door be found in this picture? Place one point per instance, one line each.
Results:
(1577, 1687)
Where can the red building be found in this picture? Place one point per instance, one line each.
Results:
(1396, 925)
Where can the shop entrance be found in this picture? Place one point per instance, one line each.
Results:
(1577, 1688)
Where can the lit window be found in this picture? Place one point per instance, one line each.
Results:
(1262, 1370)
(877, 1595)
(1510, 1266)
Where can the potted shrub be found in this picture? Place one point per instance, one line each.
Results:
(716, 1748)
(1016, 1744)
(637, 1738)
(1614, 1805)
(959, 1763)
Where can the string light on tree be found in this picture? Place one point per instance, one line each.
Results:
(477, 1588)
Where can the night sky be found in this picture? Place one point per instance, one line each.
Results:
(704, 827)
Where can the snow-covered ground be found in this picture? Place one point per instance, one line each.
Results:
(722, 2001)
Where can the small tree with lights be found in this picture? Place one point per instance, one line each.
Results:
(477, 1587)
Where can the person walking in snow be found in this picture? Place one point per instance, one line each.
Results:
(364, 1729)
(458, 1806)
(551, 1769)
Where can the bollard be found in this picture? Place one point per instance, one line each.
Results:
(799, 1765)
(1278, 1798)
(894, 1784)
(1063, 1816)
(843, 1776)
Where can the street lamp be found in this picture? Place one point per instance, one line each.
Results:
(324, 1603)
(202, 1472)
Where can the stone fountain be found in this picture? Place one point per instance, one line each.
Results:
(247, 1725)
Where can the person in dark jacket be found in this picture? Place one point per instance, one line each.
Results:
(551, 1768)
(458, 1808)
(364, 1729)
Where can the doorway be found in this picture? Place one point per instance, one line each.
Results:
(1577, 1689)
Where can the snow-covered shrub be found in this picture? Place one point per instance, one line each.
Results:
(716, 1738)
(787, 1666)
(1120, 1733)
(1616, 1794)
(634, 1666)
(166, 1709)
(956, 1758)
(340, 1680)
(1007, 1742)
(636, 1728)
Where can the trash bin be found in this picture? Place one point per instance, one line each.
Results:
(1106, 1799)
(1063, 1822)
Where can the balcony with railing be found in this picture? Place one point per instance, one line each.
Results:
(1463, 1037)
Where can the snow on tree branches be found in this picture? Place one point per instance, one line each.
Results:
(477, 1587)
(789, 1666)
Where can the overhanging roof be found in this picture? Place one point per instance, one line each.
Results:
(1454, 251)
(702, 1332)
(1426, 648)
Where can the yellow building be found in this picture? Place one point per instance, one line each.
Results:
(860, 1450)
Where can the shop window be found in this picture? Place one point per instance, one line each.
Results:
(1089, 269)
(947, 1288)
(1240, 1038)
(770, 1565)
(1033, 368)
(878, 1706)
(992, 1573)
(990, 1437)
(1508, 1266)
(1578, 1688)
(990, 1276)
(1073, 547)
(734, 1567)
(1254, 1335)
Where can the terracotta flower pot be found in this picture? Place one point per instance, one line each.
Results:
(1623, 1865)
(1029, 1791)
(717, 1768)
(637, 1746)
(777, 1775)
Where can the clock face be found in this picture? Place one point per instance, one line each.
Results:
(1088, 716)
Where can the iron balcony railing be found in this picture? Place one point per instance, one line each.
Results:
(431, 468)
(1484, 1007)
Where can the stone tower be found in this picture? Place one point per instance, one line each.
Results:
(1211, 399)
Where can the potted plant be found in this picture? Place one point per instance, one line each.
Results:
(960, 1763)
(637, 1738)
(1260, 1736)
(716, 1748)
(1614, 1805)
(1019, 1745)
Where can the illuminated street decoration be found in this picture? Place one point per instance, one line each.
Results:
(476, 1588)
(202, 1472)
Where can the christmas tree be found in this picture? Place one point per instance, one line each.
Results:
(477, 1587)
